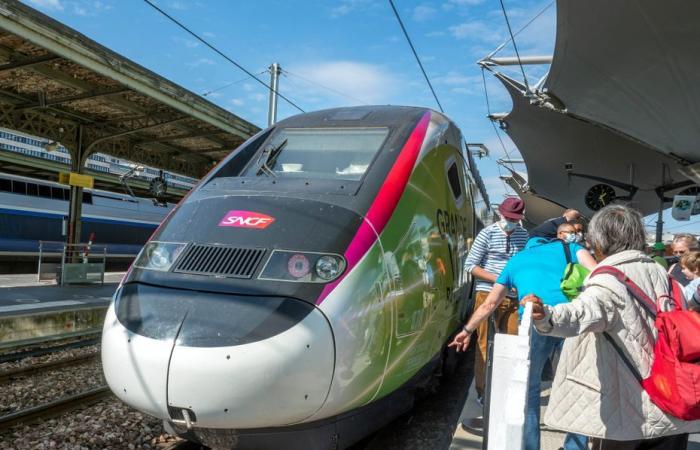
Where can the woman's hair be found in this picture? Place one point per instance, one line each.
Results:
(690, 241)
(691, 261)
(616, 228)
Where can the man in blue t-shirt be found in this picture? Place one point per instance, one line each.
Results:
(537, 270)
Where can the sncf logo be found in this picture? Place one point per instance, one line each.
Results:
(246, 219)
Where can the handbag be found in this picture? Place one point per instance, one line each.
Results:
(574, 275)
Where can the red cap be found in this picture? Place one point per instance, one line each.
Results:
(512, 208)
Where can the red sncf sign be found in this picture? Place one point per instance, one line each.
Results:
(246, 219)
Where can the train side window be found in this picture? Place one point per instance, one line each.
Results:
(87, 197)
(5, 185)
(57, 193)
(453, 178)
(32, 189)
(44, 191)
(19, 187)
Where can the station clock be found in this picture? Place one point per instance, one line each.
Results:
(599, 196)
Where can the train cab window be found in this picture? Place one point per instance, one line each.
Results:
(454, 179)
(44, 191)
(19, 187)
(33, 189)
(5, 185)
(326, 153)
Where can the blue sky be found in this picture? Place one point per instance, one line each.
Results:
(353, 47)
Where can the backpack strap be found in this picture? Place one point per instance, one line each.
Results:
(636, 292)
(567, 254)
(623, 356)
(679, 300)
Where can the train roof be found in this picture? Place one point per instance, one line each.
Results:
(356, 116)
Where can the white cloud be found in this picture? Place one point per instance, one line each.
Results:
(477, 30)
(180, 6)
(258, 97)
(423, 12)
(49, 4)
(201, 62)
(360, 81)
(435, 34)
(248, 87)
(186, 42)
(237, 102)
(208, 34)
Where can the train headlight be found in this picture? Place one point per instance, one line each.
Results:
(329, 267)
(159, 255)
(304, 267)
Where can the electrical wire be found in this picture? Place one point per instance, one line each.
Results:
(286, 72)
(220, 53)
(500, 47)
(204, 94)
(413, 49)
(512, 38)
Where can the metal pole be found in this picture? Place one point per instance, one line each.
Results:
(38, 272)
(275, 71)
(660, 219)
(76, 195)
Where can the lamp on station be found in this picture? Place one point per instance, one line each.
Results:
(481, 150)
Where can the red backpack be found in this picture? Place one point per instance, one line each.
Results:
(674, 379)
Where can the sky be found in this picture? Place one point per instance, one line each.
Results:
(332, 53)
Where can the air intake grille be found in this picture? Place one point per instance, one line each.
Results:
(220, 260)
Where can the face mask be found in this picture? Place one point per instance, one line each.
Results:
(570, 238)
(508, 226)
(579, 237)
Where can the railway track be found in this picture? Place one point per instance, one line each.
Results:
(54, 408)
(10, 375)
(38, 349)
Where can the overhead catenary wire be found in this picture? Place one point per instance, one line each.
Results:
(502, 46)
(211, 91)
(413, 49)
(220, 53)
(515, 46)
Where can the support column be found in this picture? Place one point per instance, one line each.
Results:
(76, 193)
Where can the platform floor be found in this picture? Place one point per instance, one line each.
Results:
(23, 294)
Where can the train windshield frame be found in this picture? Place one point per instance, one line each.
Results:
(342, 154)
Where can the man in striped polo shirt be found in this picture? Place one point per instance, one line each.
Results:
(492, 248)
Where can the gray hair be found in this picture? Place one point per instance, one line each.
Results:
(617, 228)
(690, 241)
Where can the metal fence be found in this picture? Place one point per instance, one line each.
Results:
(71, 263)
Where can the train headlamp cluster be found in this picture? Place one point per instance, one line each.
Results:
(159, 255)
(285, 265)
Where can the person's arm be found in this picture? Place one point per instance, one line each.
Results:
(495, 297)
(595, 310)
(585, 259)
(476, 256)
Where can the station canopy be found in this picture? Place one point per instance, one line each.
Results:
(620, 106)
(58, 84)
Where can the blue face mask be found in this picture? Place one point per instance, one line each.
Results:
(508, 226)
(570, 238)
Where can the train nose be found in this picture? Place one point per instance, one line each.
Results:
(237, 361)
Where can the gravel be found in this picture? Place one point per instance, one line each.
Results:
(64, 354)
(108, 425)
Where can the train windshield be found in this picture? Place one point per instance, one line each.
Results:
(328, 153)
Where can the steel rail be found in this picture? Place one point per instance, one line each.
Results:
(21, 372)
(54, 408)
(17, 356)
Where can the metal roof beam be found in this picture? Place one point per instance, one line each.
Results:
(71, 98)
(195, 134)
(25, 63)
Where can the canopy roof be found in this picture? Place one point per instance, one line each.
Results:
(632, 65)
(58, 84)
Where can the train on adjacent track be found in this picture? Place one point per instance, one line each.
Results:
(34, 210)
(300, 295)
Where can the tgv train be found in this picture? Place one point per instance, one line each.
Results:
(32, 210)
(299, 296)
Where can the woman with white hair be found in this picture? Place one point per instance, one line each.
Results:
(594, 392)
(681, 245)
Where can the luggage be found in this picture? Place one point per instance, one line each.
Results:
(675, 372)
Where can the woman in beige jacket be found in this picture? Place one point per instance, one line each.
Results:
(594, 393)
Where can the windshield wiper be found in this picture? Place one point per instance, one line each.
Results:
(271, 160)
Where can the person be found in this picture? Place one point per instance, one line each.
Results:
(682, 244)
(536, 270)
(594, 392)
(548, 228)
(580, 231)
(492, 248)
(690, 262)
(658, 250)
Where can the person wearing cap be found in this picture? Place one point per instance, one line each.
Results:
(492, 248)
(537, 270)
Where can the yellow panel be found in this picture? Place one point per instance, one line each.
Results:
(64, 177)
(85, 181)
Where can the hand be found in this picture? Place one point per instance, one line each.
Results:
(461, 341)
(537, 306)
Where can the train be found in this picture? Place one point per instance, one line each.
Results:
(33, 210)
(303, 293)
